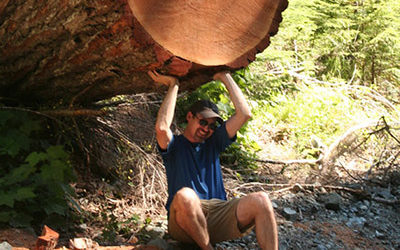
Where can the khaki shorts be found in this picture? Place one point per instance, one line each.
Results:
(222, 223)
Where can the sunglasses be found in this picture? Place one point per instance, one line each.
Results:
(204, 123)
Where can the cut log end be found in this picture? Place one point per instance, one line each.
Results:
(211, 33)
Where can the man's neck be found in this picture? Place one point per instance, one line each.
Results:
(190, 138)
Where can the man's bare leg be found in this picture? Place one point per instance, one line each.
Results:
(189, 216)
(258, 208)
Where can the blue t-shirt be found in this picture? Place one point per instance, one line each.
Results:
(196, 165)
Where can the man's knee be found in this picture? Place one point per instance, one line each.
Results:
(262, 202)
(185, 199)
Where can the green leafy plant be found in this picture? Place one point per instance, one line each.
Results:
(124, 228)
(34, 174)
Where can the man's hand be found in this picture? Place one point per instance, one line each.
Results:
(221, 76)
(163, 79)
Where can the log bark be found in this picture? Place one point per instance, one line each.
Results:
(63, 52)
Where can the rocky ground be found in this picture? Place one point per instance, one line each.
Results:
(309, 216)
(320, 218)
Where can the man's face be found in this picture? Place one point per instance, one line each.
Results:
(200, 128)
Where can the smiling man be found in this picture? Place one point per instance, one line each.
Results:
(198, 210)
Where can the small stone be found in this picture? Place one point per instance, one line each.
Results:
(82, 243)
(160, 243)
(332, 201)
(155, 232)
(289, 214)
(133, 239)
(283, 245)
(297, 188)
(5, 246)
(366, 203)
(356, 221)
(384, 193)
(321, 247)
(252, 245)
(379, 235)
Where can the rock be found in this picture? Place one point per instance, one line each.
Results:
(160, 243)
(321, 247)
(379, 235)
(289, 214)
(332, 201)
(82, 243)
(384, 193)
(133, 239)
(356, 221)
(297, 188)
(155, 232)
(5, 246)
(289, 196)
(274, 205)
(283, 245)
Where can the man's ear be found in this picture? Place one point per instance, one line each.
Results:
(189, 116)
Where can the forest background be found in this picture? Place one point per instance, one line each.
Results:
(332, 67)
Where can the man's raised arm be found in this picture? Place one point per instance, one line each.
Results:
(242, 109)
(166, 112)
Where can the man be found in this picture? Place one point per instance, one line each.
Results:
(197, 208)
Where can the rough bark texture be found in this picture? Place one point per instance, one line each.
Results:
(61, 52)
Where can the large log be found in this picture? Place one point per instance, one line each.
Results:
(56, 52)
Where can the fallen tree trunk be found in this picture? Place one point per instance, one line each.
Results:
(61, 52)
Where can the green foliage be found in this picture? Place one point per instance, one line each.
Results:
(345, 39)
(357, 37)
(125, 228)
(213, 91)
(34, 174)
(317, 112)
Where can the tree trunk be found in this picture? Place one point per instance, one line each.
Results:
(56, 52)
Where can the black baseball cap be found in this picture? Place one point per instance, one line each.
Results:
(207, 109)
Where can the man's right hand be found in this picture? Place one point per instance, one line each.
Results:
(163, 79)
(221, 76)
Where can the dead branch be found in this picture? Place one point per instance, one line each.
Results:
(51, 114)
(342, 144)
(387, 128)
(392, 163)
(300, 187)
(288, 162)
(40, 113)
(348, 172)
(75, 112)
